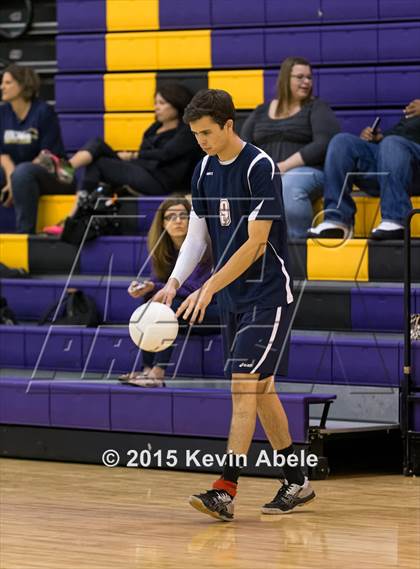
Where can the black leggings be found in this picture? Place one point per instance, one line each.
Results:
(108, 168)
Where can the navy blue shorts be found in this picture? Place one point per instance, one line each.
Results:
(257, 341)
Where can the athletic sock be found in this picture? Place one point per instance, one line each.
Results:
(229, 480)
(293, 474)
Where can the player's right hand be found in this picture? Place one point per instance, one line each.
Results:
(167, 294)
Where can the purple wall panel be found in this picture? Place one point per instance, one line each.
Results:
(81, 52)
(80, 405)
(141, 410)
(280, 43)
(187, 357)
(233, 13)
(12, 346)
(62, 348)
(396, 9)
(355, 121)
(203, 413)
(121, 304)
(78, 129)
(349, 44)
(146, 209)
(141, 262)
(22, 403)
(344, 11)
(79, 93)
(237, 48)
(397, 85)
(305, 11)
(270, 79)
(81, 15)
(109, 350)
(399, 42)
(213, 359)
(366, 362)
(350, 87)
(184, 14)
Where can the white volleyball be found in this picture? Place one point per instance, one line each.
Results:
(153, 327)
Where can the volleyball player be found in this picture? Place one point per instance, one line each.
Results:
(237, 203)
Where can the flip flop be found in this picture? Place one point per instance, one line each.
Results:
(143, 381)
(126, 377)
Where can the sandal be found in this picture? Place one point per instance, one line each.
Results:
(126, 377)
(145, 381)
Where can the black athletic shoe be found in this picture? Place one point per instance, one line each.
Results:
(288, 497)
(215, 503)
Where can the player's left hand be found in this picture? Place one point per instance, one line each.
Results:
(196, 304)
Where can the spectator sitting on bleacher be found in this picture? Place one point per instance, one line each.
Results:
(166, 235)
(28, 126)
(295, 129)
(386, 164)
(165, 160)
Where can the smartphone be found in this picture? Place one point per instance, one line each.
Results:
(375, 124)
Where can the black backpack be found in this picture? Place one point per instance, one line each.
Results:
(7, 316)
(77, 309)
(100, 202)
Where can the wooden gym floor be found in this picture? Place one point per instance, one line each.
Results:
(74, 516)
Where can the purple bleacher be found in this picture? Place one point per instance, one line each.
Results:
(303, 11)
(310, 358)
(399, 42)
(81, 15)
(75, 93)
(238, 48)
(349, 44)
(397, 85)
(355, 121)
(78, 129)
(347, 87)
(7, 220)
(226, 13)
(281, 42)
(377, 309)
(51, 347)
(124, 255)
(146, 209)
(363, 361)
(141, 410)
(415, 413)
(415, 361)
(81, 52)
(184, 14)
(356, 10)
(109, 350)
(392, 10)
(12, 346)
(24, 402)
(107, 406)
(29, 298)
(80, 405)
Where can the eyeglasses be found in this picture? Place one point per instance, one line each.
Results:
(175, 216)
(300, 77)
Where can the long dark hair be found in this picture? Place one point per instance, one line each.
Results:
(283, 91)
(176, 94)
(159, 242)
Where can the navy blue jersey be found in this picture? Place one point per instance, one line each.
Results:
(228, 196)
(24, 139)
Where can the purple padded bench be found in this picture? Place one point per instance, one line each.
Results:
(110, 407)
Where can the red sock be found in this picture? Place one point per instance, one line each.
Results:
(226, 485)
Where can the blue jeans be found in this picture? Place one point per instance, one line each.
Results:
(301, 187)
(29, 181)
(387, 169)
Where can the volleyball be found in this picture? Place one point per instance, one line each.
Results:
(153, 327)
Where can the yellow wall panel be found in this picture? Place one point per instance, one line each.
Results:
(14, 251)
(131, 51)
(52, 209)
(124, 131)
(132, 15)
(184, 49)
(246, 87)
(360, 219)
(129, 91)
(333, 259)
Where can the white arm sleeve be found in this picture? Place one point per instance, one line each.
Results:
(192, 249)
